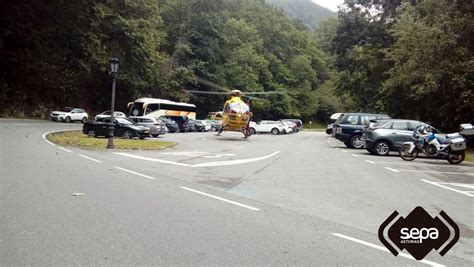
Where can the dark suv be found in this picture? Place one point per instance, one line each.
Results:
(182, 121)
(349, 127)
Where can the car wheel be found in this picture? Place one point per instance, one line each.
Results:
(68, 119)
(253, 131)
(155, 135)
(355, 142)
(91, 133)
(141, 137)
(275, 131)
(382, 148)
(127, 134)
(84, 120)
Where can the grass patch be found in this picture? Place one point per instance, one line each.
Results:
(315, 126)
(78, 139)
(469, 155)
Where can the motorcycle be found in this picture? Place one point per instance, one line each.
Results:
(450, 148)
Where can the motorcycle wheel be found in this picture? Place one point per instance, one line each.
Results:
(456, 157)
(405, 155)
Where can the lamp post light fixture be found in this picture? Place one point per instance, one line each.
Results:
(114, 64)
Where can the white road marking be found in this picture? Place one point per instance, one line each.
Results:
(219, 198)
(233, 162)
(369, 161)
(345, 151)
(385, 249)
(151, 159)
(89, 158)
(390, 169)
(354, 155)
(467, 193)
(421, 164)
(47, 141)
(136, 173)
(470, 186)
(456, 173)
(62, 148)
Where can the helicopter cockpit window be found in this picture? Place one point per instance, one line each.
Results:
(237, 107)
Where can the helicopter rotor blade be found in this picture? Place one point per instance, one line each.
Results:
(265, 93)
(211, 84)
(207, 92)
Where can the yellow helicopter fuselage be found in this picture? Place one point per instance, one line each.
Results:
(236, 114)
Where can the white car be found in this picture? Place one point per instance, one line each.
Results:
(106, 114)
(274, 127)
(70, 115)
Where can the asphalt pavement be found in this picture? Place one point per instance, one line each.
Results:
(297, 199)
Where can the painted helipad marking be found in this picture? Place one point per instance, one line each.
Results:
(197, 154)
(151, 159)
(136, 173)
(219, 198)
(89, 158)
(233, 162)
(207, 164)
(362, 242)
(443, 185)
(390, 169)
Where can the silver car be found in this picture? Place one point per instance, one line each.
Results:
(156, 126)
(388, 135)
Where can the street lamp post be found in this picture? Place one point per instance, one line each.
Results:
(114, 64)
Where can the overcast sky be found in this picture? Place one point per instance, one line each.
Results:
(330, 4)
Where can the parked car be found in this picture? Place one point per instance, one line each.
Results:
(348, 128)
(152, 123)
(182, 121)
(388, 135)
(198, 125)
(206, 124)
(298, 122)
(122, 127)
(333, 118)
(70, 115)
(289, 127)
(171, 125)
(107, 113)
(215, 125)
(274, 127)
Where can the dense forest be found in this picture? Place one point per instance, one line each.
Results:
(410, 59)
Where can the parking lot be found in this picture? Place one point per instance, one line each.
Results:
(306, 180)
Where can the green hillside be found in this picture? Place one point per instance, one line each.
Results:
(309, 13)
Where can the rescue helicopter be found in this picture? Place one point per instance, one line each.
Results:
(236, 113)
